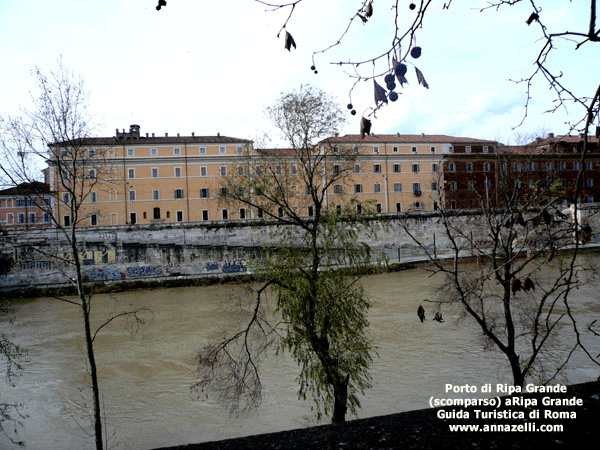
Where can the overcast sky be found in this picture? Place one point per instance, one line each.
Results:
(214, 66)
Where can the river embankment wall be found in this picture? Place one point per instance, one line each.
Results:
(41, 258)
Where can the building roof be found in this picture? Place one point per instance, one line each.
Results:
(34, 187)
(405, 138)
(134, 137)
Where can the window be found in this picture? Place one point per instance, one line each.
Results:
(414, 149)
(398, 207)
(471, 185)
(130, 152)
(224, 214)
(377, 168)
(531, 166)
(205, 214)
(356, 168)
(22, 202)
(416, 188)
(397, 187)
(397, 168)
(178, 193)
(395, 149)
(223, 171)
(485, 149)
(65, 198)
(562, 166)
(432, 149)
(576, 165)
(179, 216)
(177, 151)
(359, 208)
(93, 220)
(377, 187)
(280, 212)
(358, 188)
(240, 170)
(131, 195)
(222, 150)
(434, 167)
(453, 186)
(92, 174)
(204, 193)
(337, 168)
(434, 186)
(590, 182)
(336, 149)
(469, 167)
(311, 211)
(32, 217)
(130, 173)
(451, 167)
(153, 151)
(450, 149)
(549, 165)
(278, 170)
(468, 149)
(294, 169)
(156, 213)
(379, 208)
(239, 149)
(155, 194)
(355, 149)
(223, 192)
(168, 214)
(203, 171)
(242, 213)
(132, 218)
(155, 172)
(260, 213)
(203, 150)
(67, 221)
(517, 167)
(178, 171)
(93, 197)
(375, 149)
(46, 217)
(589, 165)
(415, 168)
(337, 189)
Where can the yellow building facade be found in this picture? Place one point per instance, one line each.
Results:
(134, 179)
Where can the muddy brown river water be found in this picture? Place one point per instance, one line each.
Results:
(145, 378)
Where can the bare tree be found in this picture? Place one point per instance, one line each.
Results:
(54, 131)
(524, 268)
(313, 270)
(13, 355)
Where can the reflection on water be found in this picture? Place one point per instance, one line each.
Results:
(145, 378)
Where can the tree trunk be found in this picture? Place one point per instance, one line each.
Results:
(85, 308)
(340, 394)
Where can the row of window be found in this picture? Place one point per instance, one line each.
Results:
(33, 218)
(530, 166)
(414, 149)
(358, 188)
(154, 151)
(589, 182)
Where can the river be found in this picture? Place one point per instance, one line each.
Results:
(145, 377)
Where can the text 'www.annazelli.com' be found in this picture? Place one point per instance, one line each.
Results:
(506, 428)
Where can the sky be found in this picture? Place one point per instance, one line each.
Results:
(214, 66)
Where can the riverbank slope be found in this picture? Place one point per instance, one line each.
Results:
(423, 429)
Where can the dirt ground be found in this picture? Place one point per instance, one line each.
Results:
(422, 429)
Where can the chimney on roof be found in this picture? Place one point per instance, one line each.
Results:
(422, 134)
(166, 134)
(538, 140)
(152, 134)
(146, 134)
(581, 135)
(551, 135)
(218, 134)
(177, 134)
(192, 134)
(134, 131)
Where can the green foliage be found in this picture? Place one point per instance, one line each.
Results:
(325, 309)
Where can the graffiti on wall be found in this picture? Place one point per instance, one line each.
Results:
(104, 274)
(234, 266)
(144, 271)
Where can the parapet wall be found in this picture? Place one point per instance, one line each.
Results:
(41, 257)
